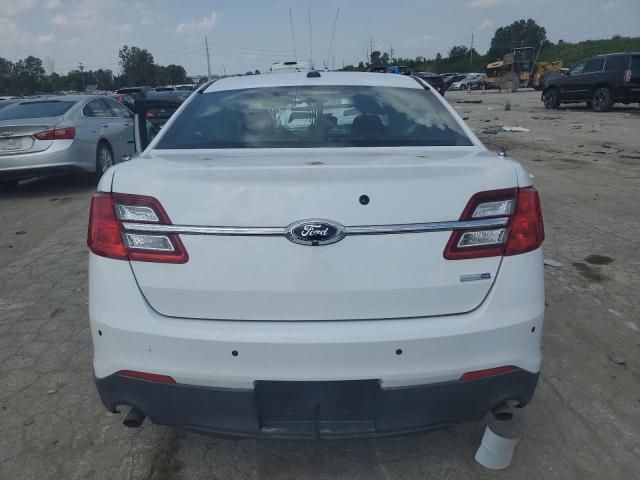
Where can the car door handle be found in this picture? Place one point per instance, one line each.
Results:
(104, 125)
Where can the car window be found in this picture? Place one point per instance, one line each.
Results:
(327, 116)
(594, 65)
(119, 109)
(35, 109)
(577, 68)
(96, 108)
(617, 63)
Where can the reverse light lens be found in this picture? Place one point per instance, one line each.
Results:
(499, 208)
(627, 76)
(158, 243)
(482, 237)
(133, 213)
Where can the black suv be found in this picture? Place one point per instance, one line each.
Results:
(600, 81)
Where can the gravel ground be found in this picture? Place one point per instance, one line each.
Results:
(584, 421)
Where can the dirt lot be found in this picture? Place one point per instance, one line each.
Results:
(584, 421)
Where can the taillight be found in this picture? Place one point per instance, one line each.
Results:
(107, 236)
(627, 76)
(522, 230)
(66, 133)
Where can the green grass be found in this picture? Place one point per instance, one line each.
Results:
(570, 53)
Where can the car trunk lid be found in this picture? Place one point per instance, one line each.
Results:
(17, 136)
(267, 277)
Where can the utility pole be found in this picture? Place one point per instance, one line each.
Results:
(206, 46)
(293, 36)
(310, 43)
(391, 53)
(81, 67)
(471, 51)
(371, 51)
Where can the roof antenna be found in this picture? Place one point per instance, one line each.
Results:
(293, 35)
(310, 43)
(332, 35)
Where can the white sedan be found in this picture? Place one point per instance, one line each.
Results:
(377, 271)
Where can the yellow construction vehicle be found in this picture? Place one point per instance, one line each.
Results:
(518, 69)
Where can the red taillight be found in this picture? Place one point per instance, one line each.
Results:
(105, 232)
(627, 76)
(489, 372)
(108, 238)
(66, 133)
(150, 377)
(526, 230)
(522, 232)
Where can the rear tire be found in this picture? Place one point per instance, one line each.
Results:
(601, 100)
(104, 159)
(551, 99)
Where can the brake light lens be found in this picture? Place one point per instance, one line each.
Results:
(523, 230)
(627, 76)
(66, 133)
(108, 238)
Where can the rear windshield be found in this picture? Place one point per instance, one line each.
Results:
(47, 108)
(321, 116)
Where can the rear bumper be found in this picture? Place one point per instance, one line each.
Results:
(64, 156)
(308, 410)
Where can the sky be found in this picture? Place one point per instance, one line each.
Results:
(247, 35)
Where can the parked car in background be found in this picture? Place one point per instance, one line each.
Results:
(451, 78)
(434, 80)
(62, 134)
(600, 81)
(377, 275)
(470, 80)
(185, 87)
(167, 88)
(136, 92)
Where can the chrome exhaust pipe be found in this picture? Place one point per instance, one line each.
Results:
(502, 413)
(134, 418)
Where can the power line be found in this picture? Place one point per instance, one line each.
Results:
(332, 35)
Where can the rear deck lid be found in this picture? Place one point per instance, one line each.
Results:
(268, 277)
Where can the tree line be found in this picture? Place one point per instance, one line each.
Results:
(29, 75)
(521, 33)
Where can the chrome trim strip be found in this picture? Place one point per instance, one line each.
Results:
(195, 230)
(426, 227)
(357, 230)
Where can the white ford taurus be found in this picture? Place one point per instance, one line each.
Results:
(315, 255)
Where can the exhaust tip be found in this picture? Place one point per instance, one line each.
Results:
(134, 418)
(502, 413)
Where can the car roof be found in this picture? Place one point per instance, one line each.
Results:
(326, 79)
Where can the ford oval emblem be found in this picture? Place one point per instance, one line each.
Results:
(315, 232)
